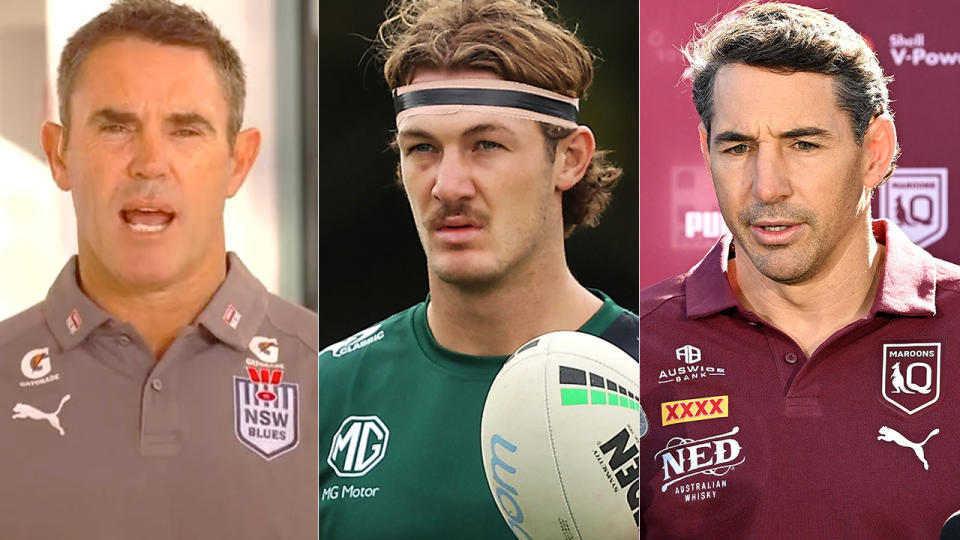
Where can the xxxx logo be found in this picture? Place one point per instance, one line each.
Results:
(691, 410)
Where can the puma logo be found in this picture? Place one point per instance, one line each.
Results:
(891, 435)
(22, 410)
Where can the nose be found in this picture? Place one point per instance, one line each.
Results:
(149, 158)
(771, 182)
(453, 179)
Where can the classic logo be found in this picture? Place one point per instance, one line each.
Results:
(916, 200)
(911, 375)
(266, 349)
(357, 447)
(600, 391)
(22, 410)
(891, 435)
(714, 456)
(692, 410)
(359, 340)
(270, 428)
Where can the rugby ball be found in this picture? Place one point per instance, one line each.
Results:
(560, 436)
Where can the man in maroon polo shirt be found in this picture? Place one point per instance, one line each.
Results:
(800, 380)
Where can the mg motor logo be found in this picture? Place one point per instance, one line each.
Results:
(911, 375)
(916, 200)
(358, 446)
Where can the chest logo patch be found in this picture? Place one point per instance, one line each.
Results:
(691, 410)
(357, 447)
(36, 367)
(266, 349)
(22, 410)
(891, 435)
(911, 375)
(269, 427)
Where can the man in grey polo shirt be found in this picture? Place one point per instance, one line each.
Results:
(159, 391)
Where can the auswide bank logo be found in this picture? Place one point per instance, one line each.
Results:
(357, 447)
(916, 200)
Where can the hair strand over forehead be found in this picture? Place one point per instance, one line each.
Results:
(788, 38)
(516, 41)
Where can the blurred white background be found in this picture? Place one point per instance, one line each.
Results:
(263, 222)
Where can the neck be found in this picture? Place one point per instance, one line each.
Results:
(159, 312)
(498, 319)
(811, 311)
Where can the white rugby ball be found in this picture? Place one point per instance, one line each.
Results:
(560, 436)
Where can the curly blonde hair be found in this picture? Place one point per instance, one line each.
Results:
(515, 40)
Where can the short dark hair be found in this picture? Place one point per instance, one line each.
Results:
(164, 22)
(517, 41)
(787, 38)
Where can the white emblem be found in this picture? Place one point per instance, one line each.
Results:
(916, 200)
(231, 316)
(74, 322)
(688, 354)
(36, 363)
(356, 341)
(269, 427)
(911, 375)
(22, 410)
(891, 435)
(357, 447)
(713, 456)
(266, 349)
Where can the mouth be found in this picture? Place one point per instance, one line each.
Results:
(147, 218)
(775, 233)
(457, 229)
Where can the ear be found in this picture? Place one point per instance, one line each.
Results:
(245, 152)
(704, 145)
(51, 139)
(880, 145)
(574, 153)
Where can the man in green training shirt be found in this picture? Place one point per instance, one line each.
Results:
(497, 171)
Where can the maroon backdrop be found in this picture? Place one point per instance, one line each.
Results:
(918, 44)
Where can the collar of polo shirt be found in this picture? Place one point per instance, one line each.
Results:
(487, 96)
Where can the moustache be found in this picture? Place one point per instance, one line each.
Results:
(775, 212)
(436, 218)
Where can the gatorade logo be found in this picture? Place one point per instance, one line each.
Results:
(357, 447)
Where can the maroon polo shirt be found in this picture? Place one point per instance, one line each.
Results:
(749, 438)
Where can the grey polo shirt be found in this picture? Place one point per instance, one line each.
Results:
(218, 439)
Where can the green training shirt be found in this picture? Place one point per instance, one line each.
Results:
(400, 431)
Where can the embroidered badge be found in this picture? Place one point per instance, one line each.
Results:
(271, 427)
(911, 375)
(22, 410)
(266, 349)
(691, 410)
(74, 322)
(231, 316)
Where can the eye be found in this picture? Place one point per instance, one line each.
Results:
(421, 148)
(805, 146)
(186, 132)
(738, 150)
(487, 145)
(113, 128)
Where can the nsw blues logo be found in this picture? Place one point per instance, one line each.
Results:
(269, 427)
